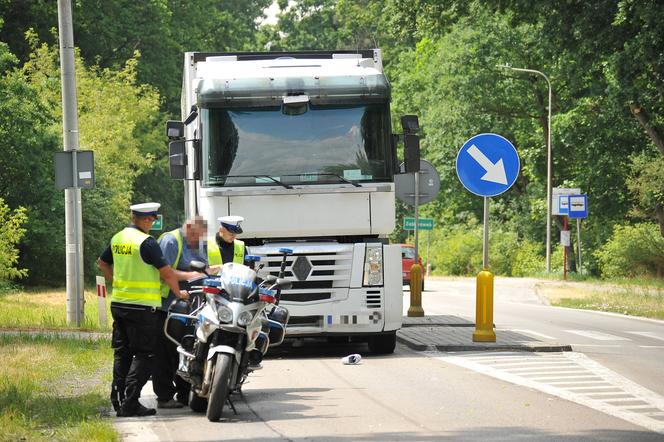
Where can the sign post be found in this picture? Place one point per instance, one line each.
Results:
(487, 165)
(101, 300)
(560, 206)
(578, 208)
(423, 224)
(416, 189)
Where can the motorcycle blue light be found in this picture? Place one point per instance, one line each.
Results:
(212, 282)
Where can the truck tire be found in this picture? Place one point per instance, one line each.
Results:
(383, 344)
(220, 388)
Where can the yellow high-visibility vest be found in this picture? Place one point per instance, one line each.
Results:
(214, 253)
(134, 281)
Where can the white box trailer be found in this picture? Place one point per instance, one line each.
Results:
(300, 144)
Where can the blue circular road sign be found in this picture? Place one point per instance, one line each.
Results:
(487, 164)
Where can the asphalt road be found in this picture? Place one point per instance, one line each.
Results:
(633, 347)
(308, 394)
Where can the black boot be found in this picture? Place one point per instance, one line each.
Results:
(137, 410)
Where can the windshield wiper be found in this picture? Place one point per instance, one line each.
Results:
(341, 178)
(287, 186)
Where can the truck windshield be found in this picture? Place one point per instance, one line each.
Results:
(326, 144)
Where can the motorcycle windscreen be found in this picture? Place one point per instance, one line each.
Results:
(238, 280)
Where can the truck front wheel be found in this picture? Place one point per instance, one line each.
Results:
(383, 344)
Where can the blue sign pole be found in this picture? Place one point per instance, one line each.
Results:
(487, 165)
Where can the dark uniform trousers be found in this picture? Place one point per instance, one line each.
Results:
(165, 366)
(135, 332)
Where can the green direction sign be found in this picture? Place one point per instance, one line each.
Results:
(423, 223)
(158, 223)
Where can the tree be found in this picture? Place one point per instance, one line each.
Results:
(109, 32)
(11, 232)
(118, 119)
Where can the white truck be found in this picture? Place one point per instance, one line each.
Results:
(300, 144)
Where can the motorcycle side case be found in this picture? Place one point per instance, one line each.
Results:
(277, 332)
(179, 327)
(262, 342)
(279, 314)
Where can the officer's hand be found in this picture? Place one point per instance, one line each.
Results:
(183, 294)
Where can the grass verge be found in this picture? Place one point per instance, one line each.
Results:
(47, 309)
(55, 389)
(646, 301)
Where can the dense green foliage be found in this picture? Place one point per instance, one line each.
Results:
(11, 232)
(605, 59)
(635, 250)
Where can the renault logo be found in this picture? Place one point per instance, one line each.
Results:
(302, 268)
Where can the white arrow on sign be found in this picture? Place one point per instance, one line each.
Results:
(494, 172)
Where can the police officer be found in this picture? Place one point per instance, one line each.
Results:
(226, 247)
(180, 247)
(135, 264)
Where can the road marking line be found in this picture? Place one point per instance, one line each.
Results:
(595, 345)
(534, 333)
(651, 346)
(650, 335)
(610, 393)
(577, 382)
(624, 399)
(597, 335)
(529, 372)
(533, 364)
(637, 407)
(553, 377)
(594, 397)
(602, 387)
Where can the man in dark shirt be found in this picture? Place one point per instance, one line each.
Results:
(135, 264)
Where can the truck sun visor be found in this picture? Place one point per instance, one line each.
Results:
(241, 91)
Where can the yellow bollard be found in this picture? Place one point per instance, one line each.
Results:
(484, 308)
(415, 309)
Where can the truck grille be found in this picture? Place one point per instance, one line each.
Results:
(315, 275)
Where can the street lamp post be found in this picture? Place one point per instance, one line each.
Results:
(548, 165)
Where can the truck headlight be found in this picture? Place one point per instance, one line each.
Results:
(373, 265)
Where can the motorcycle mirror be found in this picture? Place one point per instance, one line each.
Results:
(197, 266)
(284, 284)
(271, 279)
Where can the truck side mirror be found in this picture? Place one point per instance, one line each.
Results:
(411, 152)
(174, 129)
(411, 141)
(177, 160)
(198, 159)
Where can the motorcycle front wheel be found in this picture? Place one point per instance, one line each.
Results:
(219, 390)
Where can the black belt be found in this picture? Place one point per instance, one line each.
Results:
(138, 307)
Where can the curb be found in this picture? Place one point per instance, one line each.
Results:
(422, 345)
(53, 333)
(544, 347)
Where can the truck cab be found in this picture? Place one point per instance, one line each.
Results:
(300, 144)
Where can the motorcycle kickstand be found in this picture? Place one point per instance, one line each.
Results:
(230, 402)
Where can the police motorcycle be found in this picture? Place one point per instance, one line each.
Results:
(224, 332)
